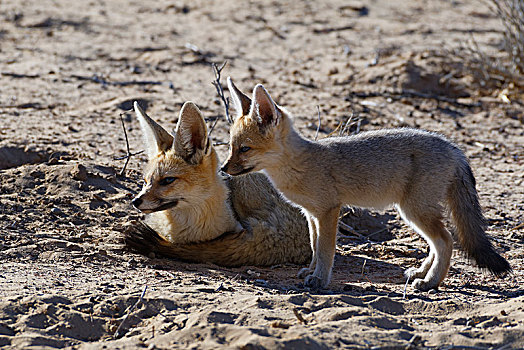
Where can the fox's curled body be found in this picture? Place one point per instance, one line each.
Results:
(205, 215)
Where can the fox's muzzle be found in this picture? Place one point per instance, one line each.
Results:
(137, 202)
(235, 170)
(166, 206)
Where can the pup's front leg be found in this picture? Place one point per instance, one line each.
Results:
(313, 235)
(326, 242)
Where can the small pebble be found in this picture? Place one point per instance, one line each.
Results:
(56, 211)
(261, 282)
(79, 172)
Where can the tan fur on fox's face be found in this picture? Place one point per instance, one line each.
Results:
(181, 169)
(182, 191)
(248, 131)
(188, 188)
(259, 144)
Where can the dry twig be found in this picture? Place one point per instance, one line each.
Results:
(347, 125)
(328, 30)
(141, 299)
(405, 288)
(318, 126)
(363, 270)
(350, 229)
(100, 80)
(404, 93)
(128, 150)
(299, 316)
(363, 267)
(220, 91)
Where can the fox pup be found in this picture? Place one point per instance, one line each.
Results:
(200, 215)
(417, 171)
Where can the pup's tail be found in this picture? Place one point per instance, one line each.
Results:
(471, 224)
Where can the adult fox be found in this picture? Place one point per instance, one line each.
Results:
(417, 171)
(197, 214)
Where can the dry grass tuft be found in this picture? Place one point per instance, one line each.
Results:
(504, 70)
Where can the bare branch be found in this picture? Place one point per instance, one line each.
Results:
(318, 126)
(299, 316)
(212, 126)
(405, 288)
(347, 125)
(220, 91)
(140, 300)
(128, 150)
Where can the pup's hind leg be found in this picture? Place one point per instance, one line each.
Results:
(313, 237)
(430, 226)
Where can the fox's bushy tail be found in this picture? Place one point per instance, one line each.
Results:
(141, 238)
(471, 224)
(230, 249)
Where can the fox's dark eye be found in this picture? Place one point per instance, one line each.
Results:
(166, 181)
(244, 149)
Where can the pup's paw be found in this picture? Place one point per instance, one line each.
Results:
(303, 273)
(313, 282)
(413, 273)
(424, 285)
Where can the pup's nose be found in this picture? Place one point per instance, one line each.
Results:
(224, 168)
(136, 202)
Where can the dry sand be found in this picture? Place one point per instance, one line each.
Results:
(69, 68)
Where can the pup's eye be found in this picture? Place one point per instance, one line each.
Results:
(244, 149)
(166, 181)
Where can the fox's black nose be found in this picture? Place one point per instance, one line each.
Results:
(224, 168)
(136, 202)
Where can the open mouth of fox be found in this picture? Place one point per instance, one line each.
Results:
(162, 207)
(244, 171)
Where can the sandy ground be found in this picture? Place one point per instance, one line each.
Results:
(68, 69)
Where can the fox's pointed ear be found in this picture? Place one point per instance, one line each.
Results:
(263, 109)
(191, 140)
(241, 102)
(156, 138)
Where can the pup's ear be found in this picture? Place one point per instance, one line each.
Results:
(191, 140)
(156, 139)
(241, 102)
(263, 109)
